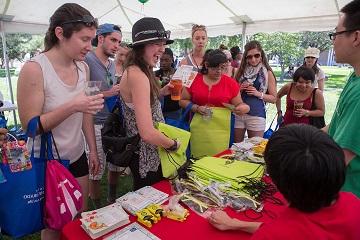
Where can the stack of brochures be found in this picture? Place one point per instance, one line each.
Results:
(101, 221)
(140, 199)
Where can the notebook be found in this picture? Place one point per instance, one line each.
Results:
(101, 221)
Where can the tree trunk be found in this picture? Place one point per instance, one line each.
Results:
(282, 74)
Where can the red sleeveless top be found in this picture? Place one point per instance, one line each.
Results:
(289, 114)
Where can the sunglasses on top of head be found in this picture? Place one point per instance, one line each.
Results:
(159, 34)
(258, 55)
(87, 20)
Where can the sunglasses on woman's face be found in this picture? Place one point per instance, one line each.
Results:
(310, 57)
(258, 55)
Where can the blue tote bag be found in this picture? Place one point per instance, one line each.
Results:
(22, 194)
(268, 133)
(181, 123)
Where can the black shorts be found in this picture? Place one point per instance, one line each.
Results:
(151, 177)
(80, 167)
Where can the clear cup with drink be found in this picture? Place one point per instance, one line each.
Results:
(297, 105)
(176, 90)
(208, 113)
(93, 88)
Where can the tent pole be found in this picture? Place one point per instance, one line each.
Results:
(7, 69)
(243, 36)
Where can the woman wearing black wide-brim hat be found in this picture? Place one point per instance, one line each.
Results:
(140, 95)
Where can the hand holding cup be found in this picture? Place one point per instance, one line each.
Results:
(298, 108)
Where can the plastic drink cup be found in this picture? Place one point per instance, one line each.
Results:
(176, 90)
(297, 105)
(93, 88)
(208, 114)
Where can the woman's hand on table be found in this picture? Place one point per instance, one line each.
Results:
(222, 221)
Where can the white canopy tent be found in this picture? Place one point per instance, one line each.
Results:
(222, 17)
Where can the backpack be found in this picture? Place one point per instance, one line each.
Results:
(118, 147)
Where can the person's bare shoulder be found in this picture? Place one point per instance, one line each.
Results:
(31, 74)
(135, 75)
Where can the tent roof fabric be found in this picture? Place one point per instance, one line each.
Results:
(222, 17)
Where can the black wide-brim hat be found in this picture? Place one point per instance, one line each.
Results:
(148, 30)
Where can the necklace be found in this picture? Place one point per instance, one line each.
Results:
(192, 56)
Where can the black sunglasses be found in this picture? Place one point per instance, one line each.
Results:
(87, 20)
(333, 35)
(248, 57)
(159, 34)
(109, 78)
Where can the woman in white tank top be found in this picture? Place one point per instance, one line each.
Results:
(199, 40)
(52, 86)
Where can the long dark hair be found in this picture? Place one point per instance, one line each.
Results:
(315, 68)
(249, 46)
(66, 12)
(135, 58)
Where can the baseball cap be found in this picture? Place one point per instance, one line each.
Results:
(103, 29)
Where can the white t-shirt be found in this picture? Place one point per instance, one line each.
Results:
(320, 75)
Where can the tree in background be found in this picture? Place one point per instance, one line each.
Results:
(19, 44)
(182, 46)
(285, 47)
(319, 40)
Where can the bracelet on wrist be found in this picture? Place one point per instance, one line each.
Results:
(173, 147)
(261, 96)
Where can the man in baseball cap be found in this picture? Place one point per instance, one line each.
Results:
(102, 68)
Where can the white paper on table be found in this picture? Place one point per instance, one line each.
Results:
(132, 232)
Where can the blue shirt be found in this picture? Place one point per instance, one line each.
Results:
(257, 105)
(99, 72)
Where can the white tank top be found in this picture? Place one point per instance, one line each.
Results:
(68, 134)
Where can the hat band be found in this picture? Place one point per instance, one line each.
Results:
(148, 39)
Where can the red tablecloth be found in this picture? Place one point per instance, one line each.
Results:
(195, 226)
